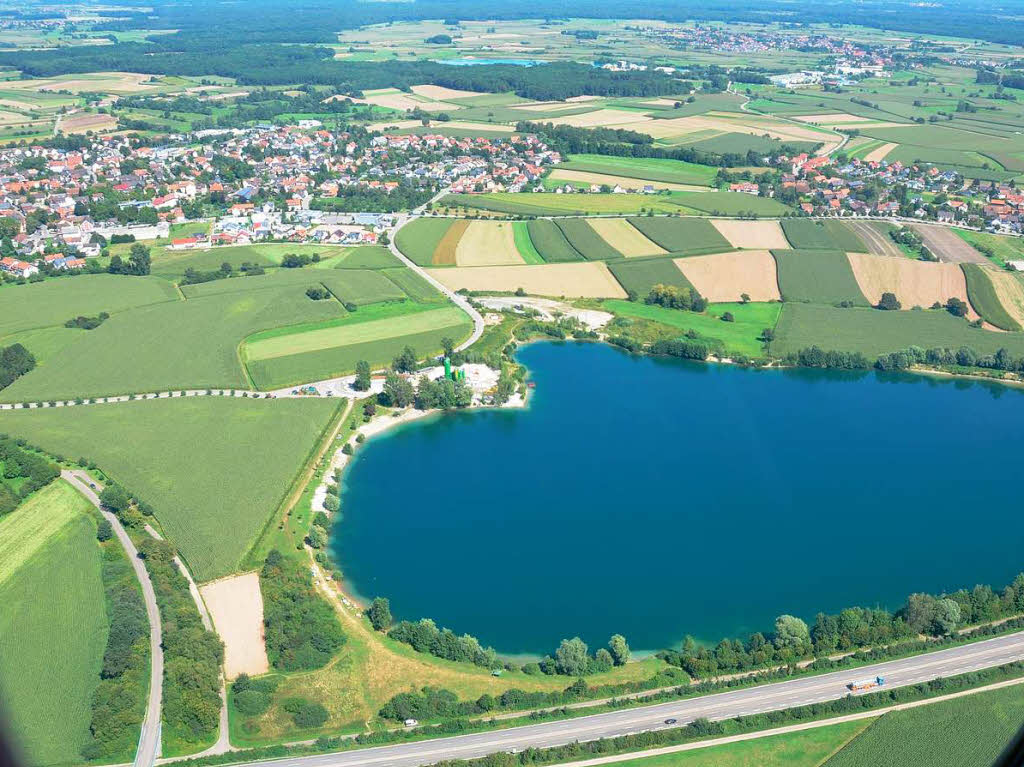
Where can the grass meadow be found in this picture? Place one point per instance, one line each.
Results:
(213, 468)
(53, 627)
(738, 337)
(817, 276)
(873, 332)
(965, 732)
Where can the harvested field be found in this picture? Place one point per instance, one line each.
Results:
(601, 118)
(682, 235)
(80, 123)
(581, 280)
(236, 606)
(818, 276)
(403, 102)
(394, 125)
(835, 119)
(1010, 291)
(440, 93)
(727, 276)
(947, 246)
(875, 237)
(447, 248)
(749, 125)
(625, 238)
(470, 125)
(587, 177)
(915, 283)
(877, 155)
(756, 235)
(487, 243)
(546, 106)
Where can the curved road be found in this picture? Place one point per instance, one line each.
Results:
(149, 740)
(725, 705)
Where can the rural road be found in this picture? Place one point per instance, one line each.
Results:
(149, 740)
(725, 705)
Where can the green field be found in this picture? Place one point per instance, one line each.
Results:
(1003, 248)
(640, 275)
(54, 301)
(418, 239)
(739, 337)
(730, 204)
(368, 257)
(585, 240)
(549, 203)
(361, 286)
(965, 732)
(417, 288)
(686, 236)
(650, 169)
(185, 457)
(873, 332)
(818, 276)
(524, 244)
(550, 243)
(376, 334)
(53, 626)
(831, 235)
(793, 749)
(982, 295)
(173, 263)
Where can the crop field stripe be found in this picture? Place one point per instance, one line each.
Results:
(983, 297)
(625, 238)
(419, 239)
(818, 276)
(414, 286)
(447, 247)
(488, 243)
(653, 169)
(361, 286)
(53, 627)
(639, 276)
(345, 334)
(524, 244)
(585, 240)
(681, 235)
(727, 276)
(551, 243)
(804, 234)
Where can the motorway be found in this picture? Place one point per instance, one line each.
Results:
(149, 738)
(725, 705)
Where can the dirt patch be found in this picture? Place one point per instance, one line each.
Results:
(914, 283)
(625, 237)
(236, 606)
(947, 245)
(445, 252)
(727, 276)
(586, 177)
(440, 93)
(1010, 292)
(488, 243)
(756, 235)
(877, 155)
(590, 279)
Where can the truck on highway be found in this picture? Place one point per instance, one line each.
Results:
(870, 683)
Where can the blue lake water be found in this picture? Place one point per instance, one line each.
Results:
(659, 498)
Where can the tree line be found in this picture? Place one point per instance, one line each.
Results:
(15, 361)
(21, 463)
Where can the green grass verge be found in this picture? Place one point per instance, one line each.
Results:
(873, 332)
(818, 276)
(809, 748)
(550, 243)
(524, 244)
(213, 468)
(966, 732)
(417, 240)
(640, 275)
(983, 298)
(686, 236)
(585, 240)
(53, 629)
(831, 235)
(738, 337)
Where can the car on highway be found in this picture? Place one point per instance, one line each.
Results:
(671, 721)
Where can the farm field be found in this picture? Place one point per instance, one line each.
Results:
(756, 235)
(562, 175)
(366, 257)
(198, 488)
(585, 240)
(914, 283)
(875, 236)
(582, 280)
(649, 169)
(549, 203)
(985, 298)
(53, 628)
(687, 236)
(873, 332)
(625, 238)
(1003, 248)
(447, 251)
(419, 239)
(818, 276)
(173, 263)
(965, 732)
(728, 276)
(730, 204)
(417, 288)
(487, 243)
(830, 235)
(550, 243)
(640, 275)
(742, 336)
(524, 243)
(1010, 292)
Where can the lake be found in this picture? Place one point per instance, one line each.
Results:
(658, 498)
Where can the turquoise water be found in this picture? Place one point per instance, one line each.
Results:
(659, 498)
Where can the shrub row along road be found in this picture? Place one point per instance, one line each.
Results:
(149, 741)
(725, 705)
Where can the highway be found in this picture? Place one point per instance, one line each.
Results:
(725, 705)
(149, 739)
